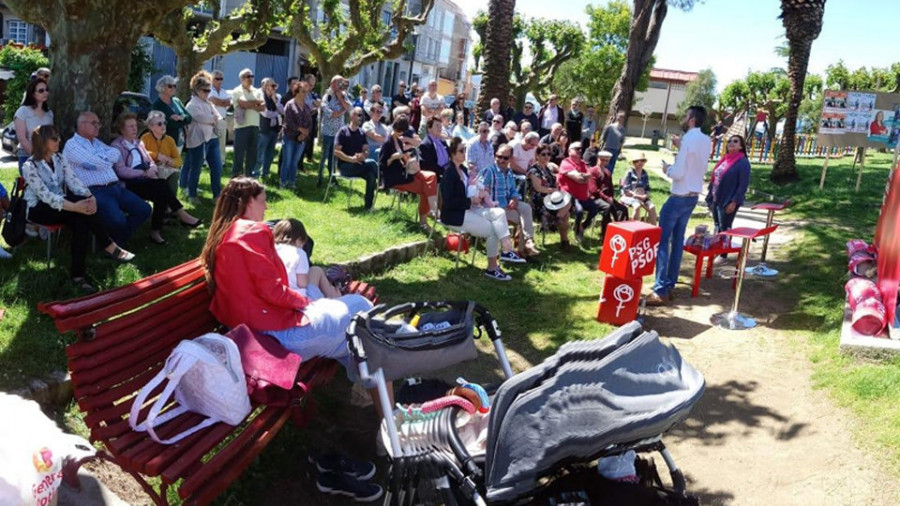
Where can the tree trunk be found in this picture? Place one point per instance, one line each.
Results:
(646, 24)
(497, 44)
(90, 58)
(785, 168)
(187, 64)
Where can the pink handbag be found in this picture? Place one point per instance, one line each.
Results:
(270, 369)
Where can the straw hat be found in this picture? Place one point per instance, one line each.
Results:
(557, 200)
(604, 154)
(639, 156)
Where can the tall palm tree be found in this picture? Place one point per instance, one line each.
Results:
(497, 44)
(802, 21)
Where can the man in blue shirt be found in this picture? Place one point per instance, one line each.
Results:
(500, 181)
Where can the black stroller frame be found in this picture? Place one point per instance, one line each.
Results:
(430, 449)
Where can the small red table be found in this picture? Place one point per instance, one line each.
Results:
(761, 269)
(733, 320)
(709, 255)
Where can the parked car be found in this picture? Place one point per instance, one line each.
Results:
(137, 103)
(9, 139)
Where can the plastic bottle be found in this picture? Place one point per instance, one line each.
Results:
(406, 328)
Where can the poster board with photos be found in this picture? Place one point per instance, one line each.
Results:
(859, 119)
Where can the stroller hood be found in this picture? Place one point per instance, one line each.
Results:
(587, 398)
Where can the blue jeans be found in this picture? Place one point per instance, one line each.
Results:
(265, 152)
(246, 140)
(367, 171)
(612, 160)
(291, 153)
(325, 336)
(327, 156)
(673, 219)
(120, 211)
(190, 174)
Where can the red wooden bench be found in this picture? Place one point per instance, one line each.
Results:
(123, 338)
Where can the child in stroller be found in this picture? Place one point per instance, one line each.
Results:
(544, 428)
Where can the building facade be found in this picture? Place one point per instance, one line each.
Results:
(658, 104)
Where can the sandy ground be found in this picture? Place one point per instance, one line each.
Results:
(761, 434)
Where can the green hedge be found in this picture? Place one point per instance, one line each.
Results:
(22, 61)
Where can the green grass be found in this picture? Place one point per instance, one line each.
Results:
(31, 347)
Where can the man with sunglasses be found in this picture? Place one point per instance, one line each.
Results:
(221, 98)
(248, 103)
(401, 98)
(480, 151)
(351, 149)
(502, 185)
(497, 136)
(527, 114)
(573, 178)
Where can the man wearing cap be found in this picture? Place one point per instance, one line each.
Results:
(527, 114)
(600, 188)
(636, 189)
(248, 103)
(550, 114)
(574, 178)
(687, 174)
(500, 181)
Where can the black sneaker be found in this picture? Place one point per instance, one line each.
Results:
(341, 484)
(341, 463)
(497, 274)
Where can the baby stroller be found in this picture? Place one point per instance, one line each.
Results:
(541, 432)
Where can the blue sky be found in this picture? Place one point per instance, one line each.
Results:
(734, 36)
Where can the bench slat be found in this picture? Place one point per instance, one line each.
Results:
(133, 361)
(232, 459)
(84, 312)
(144, 333)
(139, 454)
(122, 329)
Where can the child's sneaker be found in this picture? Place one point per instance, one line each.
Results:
(497, 274)
(512, 257)
(341, 484)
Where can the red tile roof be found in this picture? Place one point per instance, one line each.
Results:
(677, 76)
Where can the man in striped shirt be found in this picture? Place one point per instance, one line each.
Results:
(500, 181)
(121, 211)
(480, 152)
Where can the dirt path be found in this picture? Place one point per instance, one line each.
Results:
(761, 434)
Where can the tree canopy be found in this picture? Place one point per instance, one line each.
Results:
(196, 39)
(594, 71)
(350, 36)
(884, 79)
(700, 91)
(549, 43)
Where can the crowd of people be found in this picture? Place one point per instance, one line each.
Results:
(545, 170)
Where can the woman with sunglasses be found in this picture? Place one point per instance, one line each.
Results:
(270, 121)
(136, 169)
(542, 182)
(177, 117)
(559, 148)
(728, 185)
(461, 207)
(55, 195)
(33, 113)
(203, 138)
(162, 149)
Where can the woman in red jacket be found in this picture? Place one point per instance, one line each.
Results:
(250, 285)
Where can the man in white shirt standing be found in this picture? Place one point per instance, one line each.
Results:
(687, 173)
(220, 98)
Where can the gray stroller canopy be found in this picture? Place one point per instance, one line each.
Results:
(587, 398)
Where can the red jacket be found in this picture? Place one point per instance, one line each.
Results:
(252, 283)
